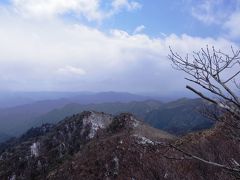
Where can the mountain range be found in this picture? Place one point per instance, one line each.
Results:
(17, 119)
(177, 117)
(12, 99)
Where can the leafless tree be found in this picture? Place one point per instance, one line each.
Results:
(215, 75)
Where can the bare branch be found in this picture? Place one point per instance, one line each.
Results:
(201, 95)
(208, 69)
(228, 168)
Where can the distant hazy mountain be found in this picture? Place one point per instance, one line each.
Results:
(106, 97)
(11, 99)
(16, 120)
(138, 108)
(7, 100)
(4, 137)
(178, 117)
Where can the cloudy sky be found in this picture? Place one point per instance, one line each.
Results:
(103, 45)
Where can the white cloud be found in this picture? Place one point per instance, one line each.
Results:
(130, 5)
(232, 25)
(90, 9)
(69, 70)
(58, 55)
(210, 12)
(55, 55)
(163, 34)
(139, 29)
(51, 8)
(223, 13)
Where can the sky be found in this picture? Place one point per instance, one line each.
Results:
(108, 45)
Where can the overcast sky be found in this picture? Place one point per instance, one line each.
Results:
(103, 45)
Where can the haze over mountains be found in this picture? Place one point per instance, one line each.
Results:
(177, 117)
(12, 99)
(173, 117)
(14, 120)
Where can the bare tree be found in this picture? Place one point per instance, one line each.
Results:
(216, 74)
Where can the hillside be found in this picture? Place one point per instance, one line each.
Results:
(46, 148)
(179, 117)
(95, 145)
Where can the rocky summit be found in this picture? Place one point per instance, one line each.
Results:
(94, 145)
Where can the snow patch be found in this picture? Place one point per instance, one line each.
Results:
(35, 149)
(143, 140)
(96, 122)
(135, 123)
(13, 177)
(166, 175)
(116, 161)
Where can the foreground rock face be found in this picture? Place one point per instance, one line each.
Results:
(95, 145)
